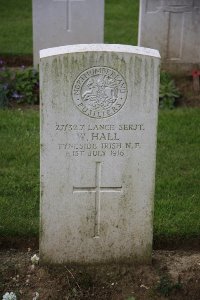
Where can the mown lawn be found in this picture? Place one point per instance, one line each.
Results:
(16, 27)
(19, 172)
(177, 203)
(177, 197)
(121, 23)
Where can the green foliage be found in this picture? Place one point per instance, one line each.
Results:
(18, 85)
(168, 91)
(3, 96)
(166, 286)
(27, 85)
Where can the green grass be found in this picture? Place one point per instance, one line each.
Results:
(19, 173)
(15, 27)
(121, 23)
(177, 206)
(177, 203)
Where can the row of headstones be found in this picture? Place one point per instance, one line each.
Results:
(170, 26)
(99, 107)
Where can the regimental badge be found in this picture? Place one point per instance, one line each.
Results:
(99, 92)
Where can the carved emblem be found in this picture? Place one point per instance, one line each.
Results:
(99, 92)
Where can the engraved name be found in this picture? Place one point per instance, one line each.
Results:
(114, 140)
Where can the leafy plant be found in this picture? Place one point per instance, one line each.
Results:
(3, 96)
(18, 85)
(168, 91)
(27, 85)
(166, 286)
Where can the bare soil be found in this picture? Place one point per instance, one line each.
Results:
(17, 60)
(172, 275)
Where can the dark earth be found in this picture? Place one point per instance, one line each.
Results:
(174, 273)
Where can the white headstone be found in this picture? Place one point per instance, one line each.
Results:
(98, 146)
(172, 27)
(66, 22)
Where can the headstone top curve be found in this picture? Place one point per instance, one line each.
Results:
(98, 48)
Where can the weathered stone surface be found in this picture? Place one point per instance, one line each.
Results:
(66, 22)
(98, 146)
(172, 27)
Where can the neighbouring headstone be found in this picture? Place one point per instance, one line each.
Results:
(98, 146)
(66, 22)
(172, 27)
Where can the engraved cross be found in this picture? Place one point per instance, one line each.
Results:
(68, 11)
(97, 189)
